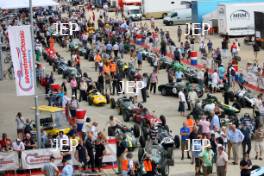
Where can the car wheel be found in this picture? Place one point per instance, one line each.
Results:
(90, 101)
(169, 152)
(125, 116)
(177, 141)
(112, 103)
(174, 91)
(163, 92)
(136, 130)
(237, 105)
(140, 153)
(165, 170)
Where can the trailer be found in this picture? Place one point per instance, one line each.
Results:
(159, 8)
(238, 19)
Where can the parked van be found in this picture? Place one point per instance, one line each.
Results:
(133, 12)
(178, 16)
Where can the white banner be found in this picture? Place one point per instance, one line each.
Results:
(110, 148)
(8, 161)
(32, 159)
(22, 58)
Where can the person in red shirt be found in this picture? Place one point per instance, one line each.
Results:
(5, 143)
(234, 50)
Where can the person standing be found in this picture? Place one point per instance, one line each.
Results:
(128, 165)
(182, 102)
(205, 127)
(121, 150)
(207, 157)
(235, 136)
(20, 123)
(144, 87)
(247, 139)
(74, 86)
(83, 90)
(116, 49)
(67, 168)
(215, 122)
(73, 106)
(179, 33)
(90, 150)
(193, 98)
(221, 162)
(81, 154)
(185, 133)
(256, 50)
(153, 81)
(50, 169)
(224, 48)
(259, 144)
(99, 154)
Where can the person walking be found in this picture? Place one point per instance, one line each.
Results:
(235, 136)
(50, 169)
(144, 87)
(67, 168)
(121, 150)
(83, 90)
(192, 98)
(224, 48)
(185, 133)
(256, 49)
(81, 154)
(128, 165)
(179, 33)
(221, 162)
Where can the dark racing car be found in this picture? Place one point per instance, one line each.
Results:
(172, 89)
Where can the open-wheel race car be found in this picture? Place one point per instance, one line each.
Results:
(124, 105)
(158, 156)
(130, 135)
(244, 98)
(97, 99)
(173, 88)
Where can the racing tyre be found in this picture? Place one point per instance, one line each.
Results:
(142, 141)
(165, 170)
(170, 156)
(163, 92)
(177, 141)
(125, 116)
(237, 105)
(136, 130)
(90, 102)
(140, 153)
(112, 103)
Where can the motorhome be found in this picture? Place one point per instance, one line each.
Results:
(133, 12)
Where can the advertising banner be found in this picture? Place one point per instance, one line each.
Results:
(33, 159)
(110, 148)
(22, 58)
(8, 161)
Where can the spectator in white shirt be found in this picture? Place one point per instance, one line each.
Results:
(182, 103)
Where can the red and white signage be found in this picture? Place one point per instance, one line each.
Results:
(22, 58)
(110, 147)
(8, 161)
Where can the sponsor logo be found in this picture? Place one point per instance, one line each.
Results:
(25, 71)
(240, 15)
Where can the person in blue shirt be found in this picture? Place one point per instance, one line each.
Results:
(215, 122)
(179, 75)
(139, 60)
(67, 168)
(185, 133)
(221, 72)
(196, 150)
(109, 48)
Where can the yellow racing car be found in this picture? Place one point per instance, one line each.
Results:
(96, 98)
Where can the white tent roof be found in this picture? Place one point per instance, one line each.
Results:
(18, 4)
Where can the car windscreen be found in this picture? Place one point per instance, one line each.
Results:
(135, 11)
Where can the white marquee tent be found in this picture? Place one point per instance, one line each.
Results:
(18, 4)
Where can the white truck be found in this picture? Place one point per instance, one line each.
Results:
(133, 12)
(237, 19)
(178, 16)
(159, 8)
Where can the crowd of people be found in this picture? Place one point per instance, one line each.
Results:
(108, 44)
